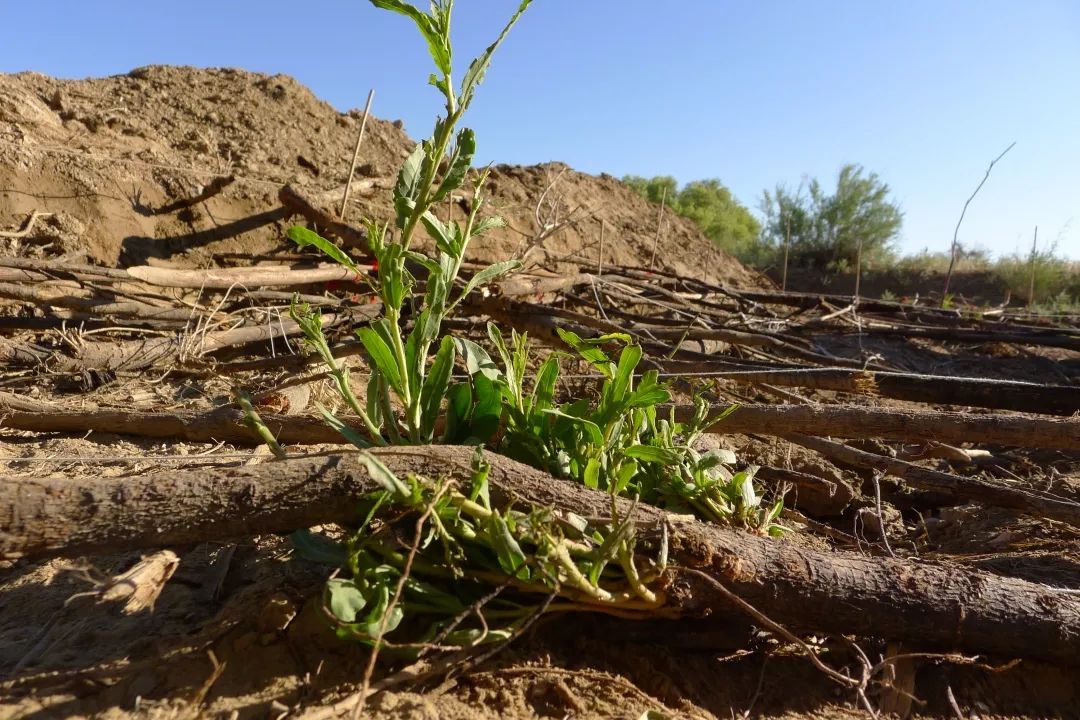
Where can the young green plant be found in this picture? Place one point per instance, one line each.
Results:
(404, 395)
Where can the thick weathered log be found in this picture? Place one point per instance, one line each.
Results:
(852, 421)
(178, 349)
(243, 277)
(957, 487)
(936, 389)
(930, 605)
(227, 424)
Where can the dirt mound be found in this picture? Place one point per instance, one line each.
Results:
(100, 154)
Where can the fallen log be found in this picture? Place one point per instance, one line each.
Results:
(933, 606)
(958, 488)
(178, 349)
(226, 424)
(937, 389)
(853, 421)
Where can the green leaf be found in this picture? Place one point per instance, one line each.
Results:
(384, 476)
(304, 237)
(445, 238)
(488, 274)
(408, 182)
(487, 412)
(650, 453)
(318, 548)
(648, 397)
(588, 351)
(489, 223)
(475, 74)
(544, 388)
(479, 488)
(458, 408)
(344, 430)
(477, 360)
(438, 44)
(434, 389)
(382, 357)
(511, 557)
(344, 599)
(591, 477)
(624, 374)
(591, 429)
(460, 163)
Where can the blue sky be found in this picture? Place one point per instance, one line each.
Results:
(923, 92)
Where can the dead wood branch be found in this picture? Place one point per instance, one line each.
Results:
(760, 419)
(250, 277)
(932, 605)
(179, 349)
(27, 228)
(937, 389)
(851, 421)
(956, 487)
(313, 210)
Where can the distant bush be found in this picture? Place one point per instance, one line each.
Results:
(1056, 279)
(710, 204)
(824, 229)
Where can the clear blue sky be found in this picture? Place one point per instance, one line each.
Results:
(923, 92)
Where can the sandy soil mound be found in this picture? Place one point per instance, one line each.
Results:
(101, 153)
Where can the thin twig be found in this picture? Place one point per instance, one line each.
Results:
(769, 624)
(956, 232)
(356, 155)
(27, 228)
(659, 225)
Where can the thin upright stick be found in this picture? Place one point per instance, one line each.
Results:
(787, 246)
(1031, 281)
(659, 225)
(600, 262)
(956, 232)
(356, 154)
(858, 269)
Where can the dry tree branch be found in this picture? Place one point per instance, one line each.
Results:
(27, 228)
(956, 232)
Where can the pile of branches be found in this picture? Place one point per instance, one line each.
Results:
(764, 339)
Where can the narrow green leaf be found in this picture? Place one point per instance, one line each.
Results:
(344, 430)
(304, 238)
(591, 477)
(650, 453)
(318, 548)
(477, 360)
(648, 396)
(437, 42)
(624, 374)
(544, 388)
(408, 181)
(443, 236)
(384, 475)
(460, 164)
(431, 395)
(382, 358)
(475, 74)
(591, 429)
(458, 409)
(511, 557)
(488, 274)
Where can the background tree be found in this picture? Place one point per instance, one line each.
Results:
(710, 204)
(825, 229)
